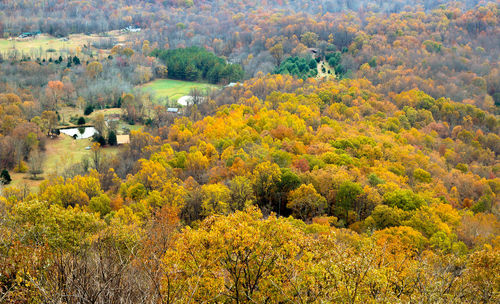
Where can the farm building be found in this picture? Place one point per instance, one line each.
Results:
(29, 34)
(122, 139)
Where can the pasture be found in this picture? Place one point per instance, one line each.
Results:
(46, 46)
(61, 153)
(40, 47)
(173, 89)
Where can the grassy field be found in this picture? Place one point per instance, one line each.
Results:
(61, 153)
(173, 89)
(38, 47)
(67, 112)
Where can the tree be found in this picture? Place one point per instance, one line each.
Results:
(481, 279)
(266, 177)
(277, 53)
(197, 96)
(193, 200)
(239, 258)
(146, 49)
(54, 92)
(384, 216)
(94, 69)
(100, 124)
(403, 199)
(36, 164)
(215, 199)
(100, 204)
(143, 74)
(422, 176)
(49, 121)
(81, 121)
(88, 110)
(241, 193)
(5, 177)
(132, 106)
(196, 63)
(112, 141)
(160, 234)
(306, 203)
(298, 66)
(96, 155)
(347, 194)
(309, 38)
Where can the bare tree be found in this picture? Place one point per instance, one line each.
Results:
(197, 96)
(36, 160)
(96, 155)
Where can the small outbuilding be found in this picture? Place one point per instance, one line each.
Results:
(122, 139)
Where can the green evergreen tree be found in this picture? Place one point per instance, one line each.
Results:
(112, 141)
(5, 177)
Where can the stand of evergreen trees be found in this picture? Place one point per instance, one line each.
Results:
(298, 66)
(305, 67)
(194, 64)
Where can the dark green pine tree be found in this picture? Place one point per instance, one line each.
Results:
(5, 177)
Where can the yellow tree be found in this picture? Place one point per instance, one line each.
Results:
(266, 176)
(277, 53)
(94, 69)
(240, 258)
(48, 121)
(306, 203)
(215, 199)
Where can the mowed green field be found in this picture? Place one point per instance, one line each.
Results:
(173, 89)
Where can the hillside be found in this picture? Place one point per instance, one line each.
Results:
(333, 152)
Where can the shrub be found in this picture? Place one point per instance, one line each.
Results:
(81, 121)
(88, 110)
(100, 139)
(22, 167)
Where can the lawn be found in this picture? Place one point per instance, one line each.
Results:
(63, 152)
(68, 112)
(173, 89)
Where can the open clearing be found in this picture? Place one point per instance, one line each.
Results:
(61, 152)
(41, 46)
(328, 73)
(46, 46)
(67, 112)
(173, 89)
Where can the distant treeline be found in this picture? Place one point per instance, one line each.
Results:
(195, 63)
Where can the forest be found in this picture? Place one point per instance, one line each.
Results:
(340, 152)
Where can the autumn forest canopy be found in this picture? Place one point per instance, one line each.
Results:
(209, 151)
